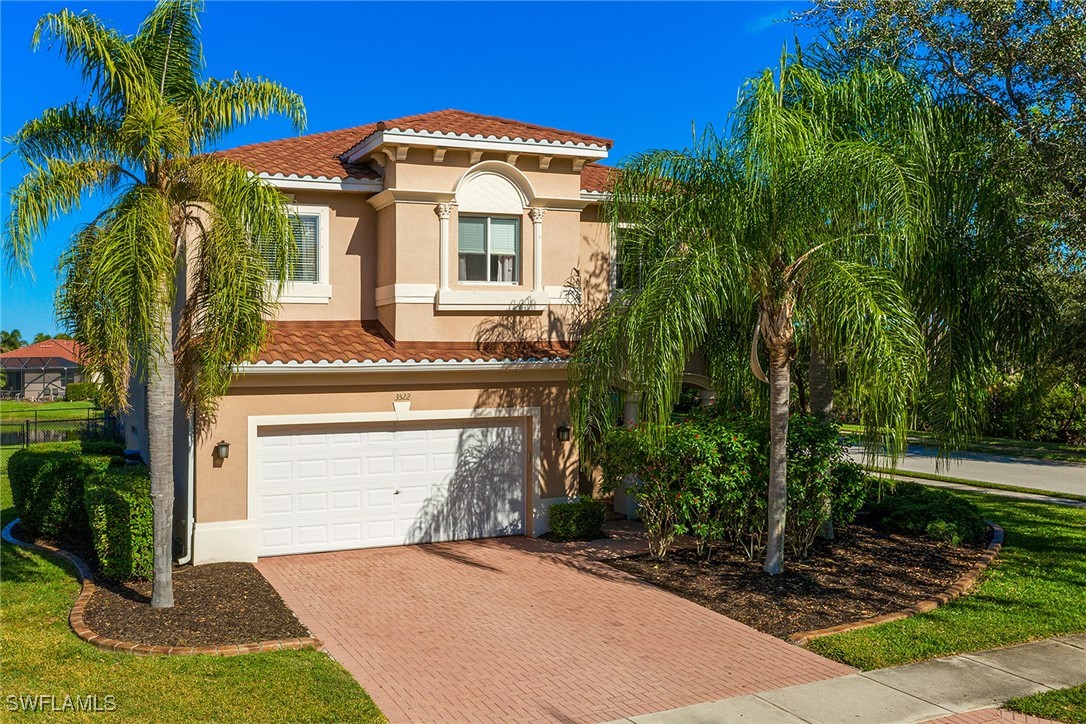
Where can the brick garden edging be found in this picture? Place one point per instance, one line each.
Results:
(959, 587)
(83, 631)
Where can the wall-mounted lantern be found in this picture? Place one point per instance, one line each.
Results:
(222, 450)
(563, 433)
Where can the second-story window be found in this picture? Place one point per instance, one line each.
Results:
(489, 249)
(307, 249)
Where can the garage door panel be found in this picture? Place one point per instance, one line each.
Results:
(330, 490)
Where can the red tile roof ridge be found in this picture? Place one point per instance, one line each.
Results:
(395, 123)
(366, 128)
(67, 349)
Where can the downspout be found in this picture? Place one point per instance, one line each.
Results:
(189, 497)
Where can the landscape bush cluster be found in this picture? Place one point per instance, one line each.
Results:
(914, 509)
(706, 477)
(81, 391)
(67, 490)
(578, 519)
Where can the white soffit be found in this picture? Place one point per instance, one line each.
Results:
(322, 183)
(438, 139)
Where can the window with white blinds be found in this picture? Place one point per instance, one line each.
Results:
(489, 249)
(307, 246)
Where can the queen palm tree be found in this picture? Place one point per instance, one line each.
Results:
(166, 283)
(792, 224)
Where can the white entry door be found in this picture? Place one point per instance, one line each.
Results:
(339, 487)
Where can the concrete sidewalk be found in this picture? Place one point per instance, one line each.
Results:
(903, 694)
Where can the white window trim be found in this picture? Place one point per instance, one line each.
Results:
(519, 265)
(320, 291)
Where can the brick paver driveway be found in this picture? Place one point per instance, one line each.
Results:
(520, 630)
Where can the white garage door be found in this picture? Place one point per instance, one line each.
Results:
(334, 488)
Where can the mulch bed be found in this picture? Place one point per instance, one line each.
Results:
(862, 573)
(214, 604)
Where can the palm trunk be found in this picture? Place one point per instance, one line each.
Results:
(160, 409)
(822, 405)
(780, 364)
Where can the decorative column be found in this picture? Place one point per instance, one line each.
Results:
(443, 211)
(536, 215)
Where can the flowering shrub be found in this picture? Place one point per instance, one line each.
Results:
(707, 477)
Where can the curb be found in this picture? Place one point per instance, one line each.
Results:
(958, 588)
(83, 631)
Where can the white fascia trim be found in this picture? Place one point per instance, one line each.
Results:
(594, 196)
(264, 368)
(405, 294)
(255, 422)
(438, 139)
(462, 300)
(322, 183)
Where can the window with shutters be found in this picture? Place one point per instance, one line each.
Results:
(489, 249)
(307, 250)
(308, 280)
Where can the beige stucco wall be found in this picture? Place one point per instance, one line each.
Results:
(221, 486)
(352, 252)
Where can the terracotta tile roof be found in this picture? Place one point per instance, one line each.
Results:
(492, 127)
(316, 155)
(349, 341)
(319, 154)
(596, 177)
(63, 349)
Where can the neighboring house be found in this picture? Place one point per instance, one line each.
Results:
(413, 387)
(41, 371)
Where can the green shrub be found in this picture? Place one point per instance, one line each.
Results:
(118, 505)
(102, 447)
(663, 458)
(581, 518)
(80, 391)
(914, 509)
(50, 479)
(819, 475)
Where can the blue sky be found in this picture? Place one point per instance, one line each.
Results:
(639, 73)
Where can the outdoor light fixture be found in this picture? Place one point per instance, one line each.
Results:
(563, 433)
(222, 450)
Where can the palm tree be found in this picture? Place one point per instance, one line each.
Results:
(793, 224)
(11, 340)
(166, 282)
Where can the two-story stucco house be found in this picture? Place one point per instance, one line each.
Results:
(414, 384)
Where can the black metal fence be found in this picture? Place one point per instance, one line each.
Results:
(96, 425)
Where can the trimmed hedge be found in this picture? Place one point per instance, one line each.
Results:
(119, 510)
(578, 519)
(80, 391)
(914, 509)
(47, 487)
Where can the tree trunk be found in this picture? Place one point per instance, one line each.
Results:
(780, 364)
(161, 394)
(821, 382)
(822, 405)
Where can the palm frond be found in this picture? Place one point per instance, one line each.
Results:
(105, 58)
(168, 42)
(47, 191)
(72, 132)
(218, 106)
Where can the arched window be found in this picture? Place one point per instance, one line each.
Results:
(489, 233)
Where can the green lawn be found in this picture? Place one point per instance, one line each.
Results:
(41, 656)
(1066, 705)
(1034, 590)
(17, 411)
